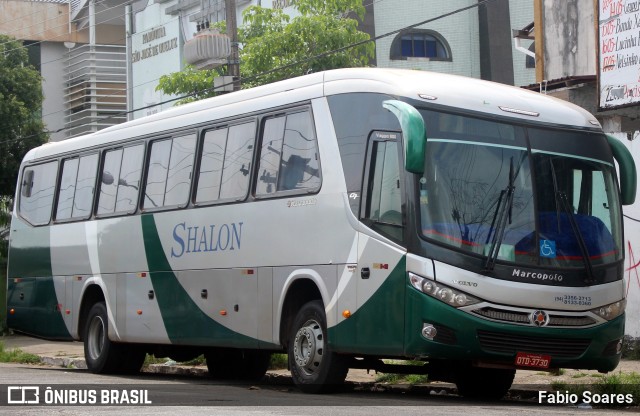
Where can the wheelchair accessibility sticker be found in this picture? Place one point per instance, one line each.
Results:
(548, 249)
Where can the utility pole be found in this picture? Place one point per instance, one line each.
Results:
(232, 32)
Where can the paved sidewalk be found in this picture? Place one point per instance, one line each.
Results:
(71, 354)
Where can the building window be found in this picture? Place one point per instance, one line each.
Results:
(531, 61)
(420, 44)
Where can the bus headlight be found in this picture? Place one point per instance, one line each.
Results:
(612, 310)
(442, 292)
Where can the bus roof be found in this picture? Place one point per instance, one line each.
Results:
(435, 88)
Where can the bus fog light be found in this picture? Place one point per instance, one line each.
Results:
(429, 331)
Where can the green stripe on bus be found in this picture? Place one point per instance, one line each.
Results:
(30, 289)
(184, 321)
(378, 326)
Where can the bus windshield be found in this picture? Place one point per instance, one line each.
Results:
(514, 194)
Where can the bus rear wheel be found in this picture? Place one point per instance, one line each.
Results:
(314, 368)
(484, 383)
(103, 356)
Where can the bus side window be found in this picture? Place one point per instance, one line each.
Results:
(36, 195)
(170, 168)
(384, 203)
(77, 186)
(237, 161)
(120, 180)
(289, 155)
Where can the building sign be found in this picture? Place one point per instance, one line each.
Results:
(155, 51)
(619, 52)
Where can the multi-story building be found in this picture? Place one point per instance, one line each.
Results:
(102, 63)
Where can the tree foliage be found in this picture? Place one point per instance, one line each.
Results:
(21, 126)
(275, 46)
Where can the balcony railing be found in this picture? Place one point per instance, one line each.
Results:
(96, 88)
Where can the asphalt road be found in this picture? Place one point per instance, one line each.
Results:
(171, 395)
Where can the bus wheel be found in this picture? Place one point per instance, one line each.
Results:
(314, 368)
(484, 383)
(237, 364)
(103, 356)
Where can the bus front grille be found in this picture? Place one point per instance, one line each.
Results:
(511, 344)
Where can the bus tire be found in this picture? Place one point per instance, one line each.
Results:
(103, 356)
(484, 383)
(237, 364)
(314, 368)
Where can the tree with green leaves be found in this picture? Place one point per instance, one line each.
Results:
(21, 127)
(275, 46)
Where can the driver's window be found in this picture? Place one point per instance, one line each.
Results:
(384, 202)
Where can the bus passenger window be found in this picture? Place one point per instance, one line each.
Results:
(170, 168)
(75, 199)
(36, 198)
(237, 161)
(180, 169)
(213, 147)
(129, 182)
(120, 180)
(270, 153)
(289, 155)
(299, 166)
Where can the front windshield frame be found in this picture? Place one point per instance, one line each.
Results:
(512, 254)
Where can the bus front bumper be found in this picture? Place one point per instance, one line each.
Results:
(462, 336)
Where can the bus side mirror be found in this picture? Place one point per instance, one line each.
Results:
(628, 173)
(413, 134)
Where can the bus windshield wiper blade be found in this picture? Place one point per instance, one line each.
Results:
(503, 212)
(564, 204)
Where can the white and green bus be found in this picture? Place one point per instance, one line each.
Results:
(346, 218)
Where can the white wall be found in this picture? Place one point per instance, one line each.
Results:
(52, 55)
(632, 246)
(460, 31)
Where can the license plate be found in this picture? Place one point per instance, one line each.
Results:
(525, 359)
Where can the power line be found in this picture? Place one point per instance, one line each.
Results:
(131, 88)
(280, 68)
(118, 16)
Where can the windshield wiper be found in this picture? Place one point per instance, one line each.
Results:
(562, 201)
(503, 213)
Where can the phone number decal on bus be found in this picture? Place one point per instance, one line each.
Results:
(574, 300)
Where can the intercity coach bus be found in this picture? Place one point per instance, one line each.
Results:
(349, 218)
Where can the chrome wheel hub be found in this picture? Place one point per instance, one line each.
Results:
(308, 347)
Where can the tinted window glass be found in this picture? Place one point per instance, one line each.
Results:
(67, 189)
(129, 182)
(270, 153)
(237, 161)
(36, 197)
(215, 142)
(384, 201)
(85, 186)
(109, 182)
(157, 174)
(120, 180)
(299, 165)
(180, 169)
(355, 116)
